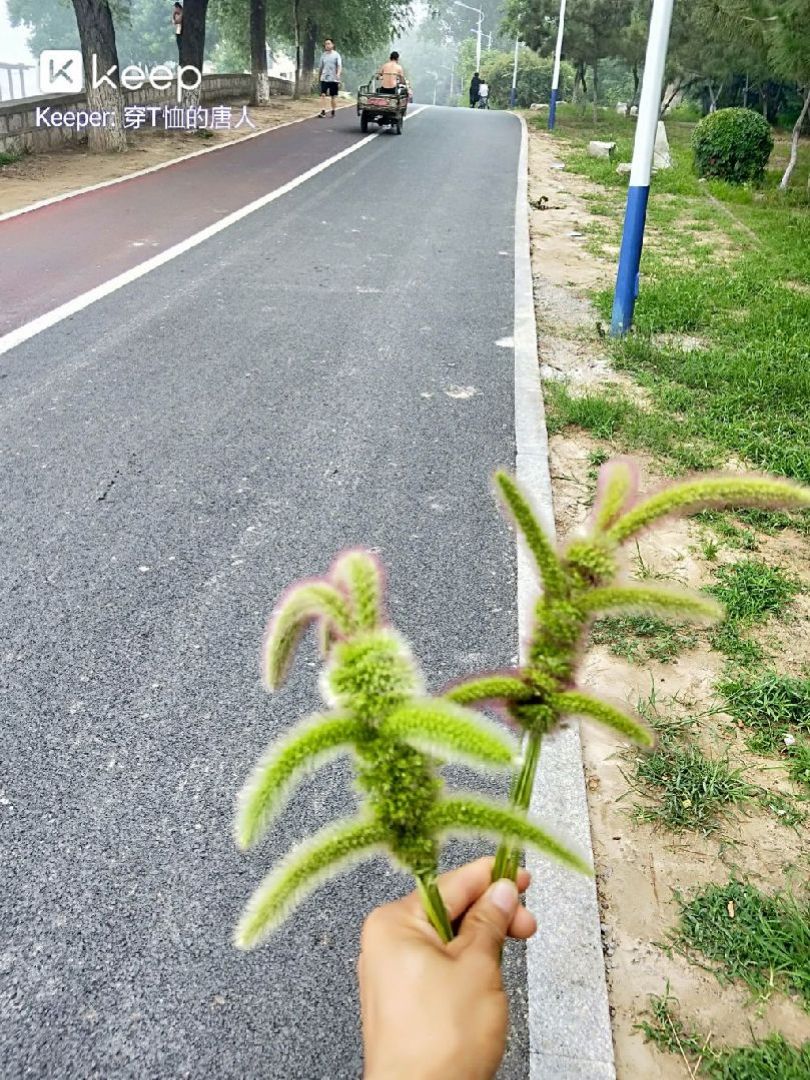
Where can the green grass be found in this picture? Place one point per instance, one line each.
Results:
(752, 591)
(787, 810)
(732, 535)
(609, 415)
(10, 157)
(689, 791)
(774, 1058)
(770, 705)
(773, 521)
(683, 789)
(799, 763)
(745, 390)
(747, 935)
(728, 639)
(643, 637)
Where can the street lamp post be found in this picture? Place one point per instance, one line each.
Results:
(513, 94)
(480, 15)
(555, 79)
(638, 194)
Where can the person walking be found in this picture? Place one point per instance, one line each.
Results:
(329, 75)
(177, 21)
(475, 83)
(483, 95)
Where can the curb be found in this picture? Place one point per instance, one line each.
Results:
(569, 1022)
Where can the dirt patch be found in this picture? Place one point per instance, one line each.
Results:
(563, 271)
(44, 176)
(639, 868)
(558, 230)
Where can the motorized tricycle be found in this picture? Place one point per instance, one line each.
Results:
(384, 106)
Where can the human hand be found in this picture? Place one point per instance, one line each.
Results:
(431, 1010)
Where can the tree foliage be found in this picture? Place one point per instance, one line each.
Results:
(533, 77)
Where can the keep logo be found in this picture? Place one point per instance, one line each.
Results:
(60, 71)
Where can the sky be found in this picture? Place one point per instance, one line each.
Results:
(13, 49)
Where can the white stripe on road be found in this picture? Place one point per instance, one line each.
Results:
(79, 303)
(569, 1022)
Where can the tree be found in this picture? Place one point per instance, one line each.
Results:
(192, 44)
(97, 36)
(632, 44)
(533, 77)
(143, 32)
(258, 51)
(356, 26)
(790, 55)
(592, 32)
(50, 26)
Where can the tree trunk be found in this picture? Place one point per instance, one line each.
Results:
(745, 92)
(794, 143)
(713, 96)
(258, 52)
(308, 55)
(579, 81)
(595, 91)
(97, 37)
(192, 47)
(296, 13)
(632, 101)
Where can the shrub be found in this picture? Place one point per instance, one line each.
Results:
(732, 145)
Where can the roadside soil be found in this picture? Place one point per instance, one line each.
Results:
(638, 867)
(46, 175)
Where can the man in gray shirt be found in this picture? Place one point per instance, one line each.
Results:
(329, 75)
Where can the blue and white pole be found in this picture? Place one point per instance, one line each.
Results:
(513, 94)
(555, 78)
(635, 217)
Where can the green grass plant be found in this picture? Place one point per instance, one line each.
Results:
(771, 1058)
(643, 637)
(763, 940)
(770, 705)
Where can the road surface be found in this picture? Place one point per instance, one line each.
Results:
(328, 371)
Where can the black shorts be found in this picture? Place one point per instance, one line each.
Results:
(330, 88)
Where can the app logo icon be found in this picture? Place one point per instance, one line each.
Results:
(60, 71)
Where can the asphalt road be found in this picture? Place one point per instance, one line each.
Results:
(69, 247)
(323, 373)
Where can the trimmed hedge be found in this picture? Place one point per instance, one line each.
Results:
(733, 145)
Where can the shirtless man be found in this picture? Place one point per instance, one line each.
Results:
(391, 75)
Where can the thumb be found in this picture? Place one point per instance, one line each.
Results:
(485, 925)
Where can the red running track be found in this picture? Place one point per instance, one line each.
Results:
(55, 253)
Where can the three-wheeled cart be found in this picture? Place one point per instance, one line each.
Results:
(386, 108)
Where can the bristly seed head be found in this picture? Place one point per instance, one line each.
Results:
(371, 674)
(590, 562)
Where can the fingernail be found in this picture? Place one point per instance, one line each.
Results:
(504, 896)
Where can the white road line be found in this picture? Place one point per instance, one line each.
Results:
(150, 169)
(569, 1022)
(78, 303)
